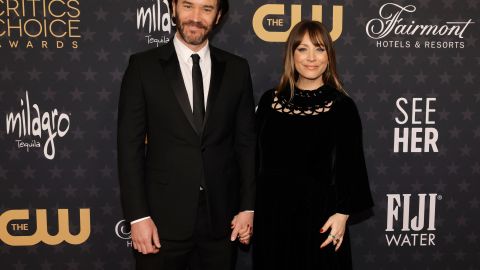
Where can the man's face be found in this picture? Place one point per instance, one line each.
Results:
(195, 19)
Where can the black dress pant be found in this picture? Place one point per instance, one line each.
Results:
(200, 252)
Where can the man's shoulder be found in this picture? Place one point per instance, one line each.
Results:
(226, 56)
(150, 54)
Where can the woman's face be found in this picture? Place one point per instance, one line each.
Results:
(310, 62)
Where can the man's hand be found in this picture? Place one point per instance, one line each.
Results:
(242, 227)
(145, 237)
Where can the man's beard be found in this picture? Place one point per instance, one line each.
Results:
(190, 39)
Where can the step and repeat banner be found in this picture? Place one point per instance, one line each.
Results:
(412, 67)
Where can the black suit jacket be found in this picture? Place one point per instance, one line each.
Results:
(162, 179)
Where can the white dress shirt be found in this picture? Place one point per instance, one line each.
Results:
(184, 55)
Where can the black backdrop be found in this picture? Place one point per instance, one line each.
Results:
(411, 66)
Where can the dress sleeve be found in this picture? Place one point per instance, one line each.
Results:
(351, 179)
(260, 116)
(262, 107)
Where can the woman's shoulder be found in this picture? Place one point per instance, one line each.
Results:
(267, 97)
(341, 98)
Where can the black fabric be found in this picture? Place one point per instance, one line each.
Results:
(295, 190)
(198, 95)
(202, 251)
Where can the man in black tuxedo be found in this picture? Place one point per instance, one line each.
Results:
(188, 194)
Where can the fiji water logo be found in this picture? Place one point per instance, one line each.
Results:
(31, 122)
(411, 220)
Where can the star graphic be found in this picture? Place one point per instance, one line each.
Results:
(105, 133)
(434, 59)
(89, 75)
(102, 55)
(101, 14)
(235, 17)
(385, 59)
(29, 172)
(15, 192)
(47, 55)
(91, 114)
(49, 94)
(78, 133)
(6, 74)
(79, 171)
(93, 190)
(19, 55)
(261, 57)
(409, 59)
(383, 96)
(106, 171)
(34, 74)
(77, 94)
(65, 153)
(360, 58)
(56, 172)
(70, 191)
(3, 172)
(43, 191)
(88, 35)
(115, 35)
(116, 75)
(75, 55)
(128, 16)
(92, 152)
(372, 77)
(62, 74)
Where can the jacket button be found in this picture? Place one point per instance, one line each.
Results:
(203, 149)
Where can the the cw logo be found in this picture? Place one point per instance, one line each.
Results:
(41, 234)
(279, 9)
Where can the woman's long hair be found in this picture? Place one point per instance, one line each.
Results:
(319, 36)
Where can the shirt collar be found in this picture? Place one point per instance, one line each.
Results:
(185, 54)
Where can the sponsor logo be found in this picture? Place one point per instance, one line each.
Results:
(415, 139)
(269, 15)
(122, 230)
(15, 223)
(154, 18)
(391, 23)
(47, 24)
(31, 122)
(415, 230)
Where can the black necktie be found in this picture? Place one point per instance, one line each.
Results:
(198, 98)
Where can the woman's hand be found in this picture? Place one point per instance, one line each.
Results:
(336, 223)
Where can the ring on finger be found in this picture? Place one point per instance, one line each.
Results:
(332, 235)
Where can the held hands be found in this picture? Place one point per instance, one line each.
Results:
(145, 237)
(336, 223)
(242, 227)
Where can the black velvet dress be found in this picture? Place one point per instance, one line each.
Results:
(310, 166)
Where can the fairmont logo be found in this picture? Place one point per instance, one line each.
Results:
(31, 122)
(391, 22)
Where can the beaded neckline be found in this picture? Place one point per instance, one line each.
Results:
(305, 102)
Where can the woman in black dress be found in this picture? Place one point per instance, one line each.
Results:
(311, 173)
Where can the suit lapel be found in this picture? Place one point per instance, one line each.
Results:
(172, 70)
(218, 68)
